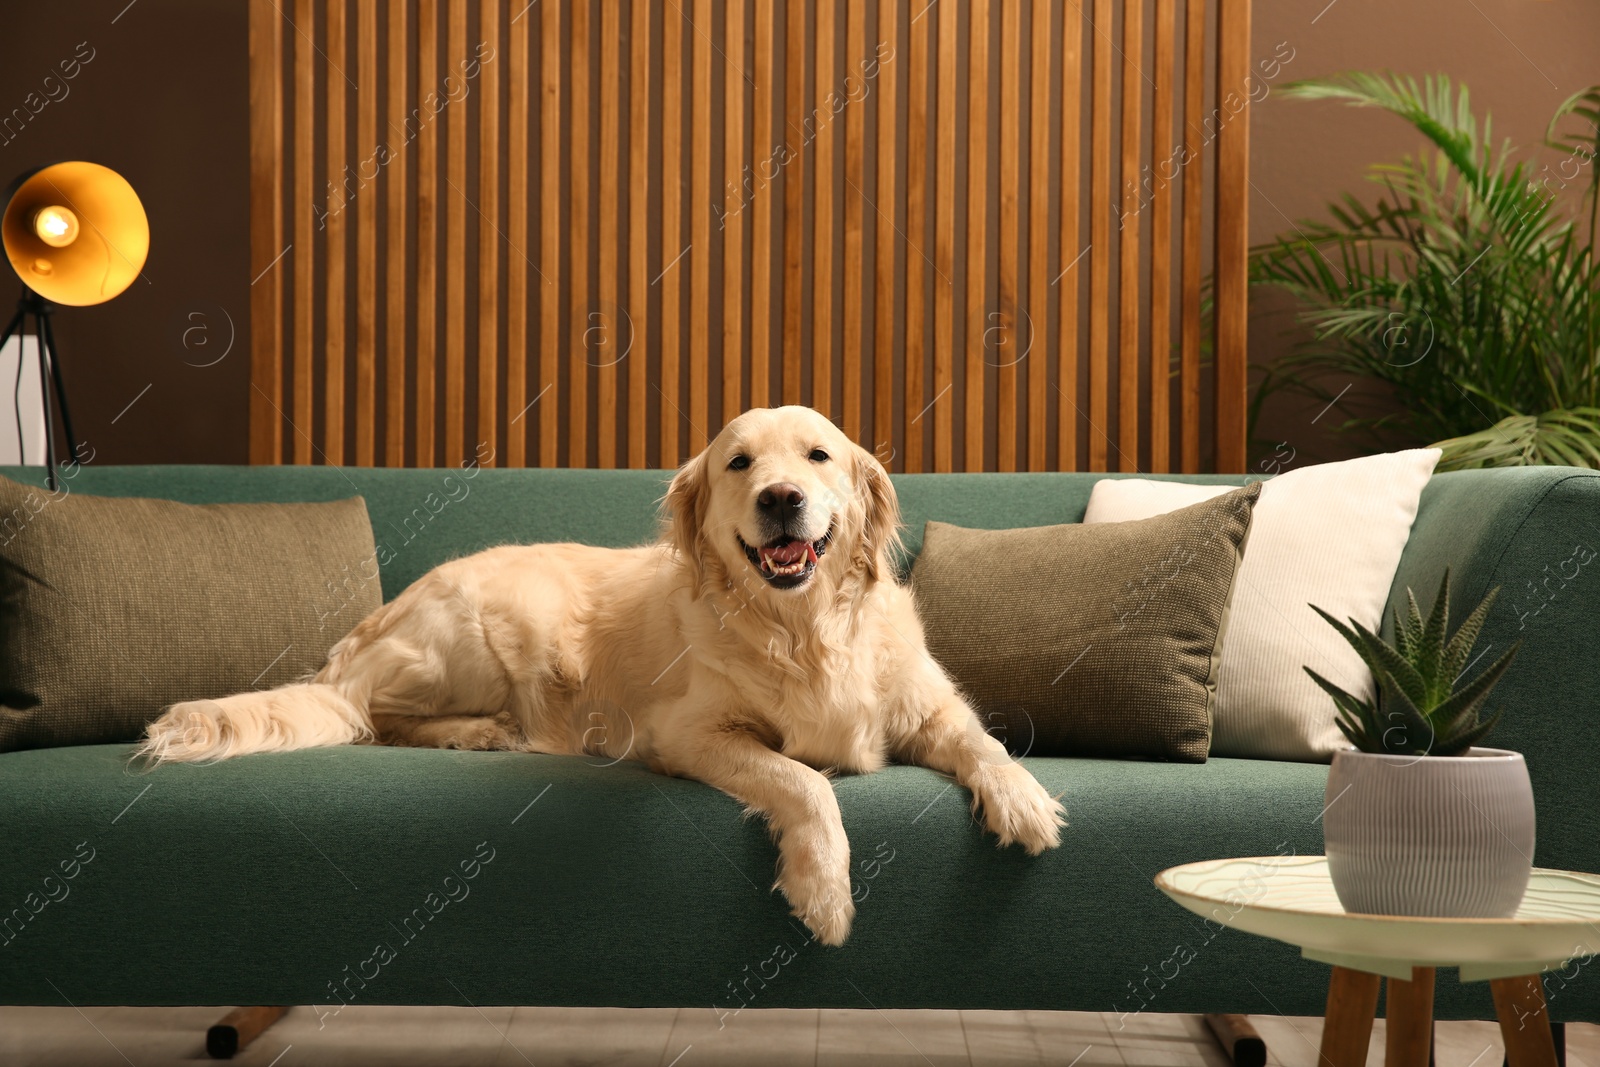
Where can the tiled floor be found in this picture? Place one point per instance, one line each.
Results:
(563, 1037)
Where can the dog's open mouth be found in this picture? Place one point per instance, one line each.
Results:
(787, 563)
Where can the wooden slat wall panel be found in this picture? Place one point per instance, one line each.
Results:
(490, 246)
(394, 260)
(366, 249)
(518, 356)
(1068, 282)
(1161, 165)
(656, 213)
(758, 191)
(580, 328)
(1128, 310)
(639, 221)
(1194, 102)
(1040, 29)
(334, 247)
(919, 278)
(670, 277)
(426, 293)
(733, 219)
(609, 330)
(824, 204)
(889, 76)
(304, 308)
(455, 248)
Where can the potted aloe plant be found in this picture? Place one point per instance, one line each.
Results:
(1419, 820)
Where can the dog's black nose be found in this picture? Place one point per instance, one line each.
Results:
(781, 502)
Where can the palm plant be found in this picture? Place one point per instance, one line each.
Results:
(1469, 288)
(1418, 710)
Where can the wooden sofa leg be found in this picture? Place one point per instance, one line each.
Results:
(238, 1028)
(1238, 1039)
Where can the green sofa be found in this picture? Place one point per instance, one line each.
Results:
(320, 877)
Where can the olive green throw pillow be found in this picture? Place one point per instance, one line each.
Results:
(113, 608)
(1096, 640)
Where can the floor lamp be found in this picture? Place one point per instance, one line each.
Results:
(76, 234)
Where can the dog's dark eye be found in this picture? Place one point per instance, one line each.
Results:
(739, 463)
(818, 456)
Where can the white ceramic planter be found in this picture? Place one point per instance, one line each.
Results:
(1429, 835)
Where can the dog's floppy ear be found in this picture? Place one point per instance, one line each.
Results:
(880, 530)
(686, 512)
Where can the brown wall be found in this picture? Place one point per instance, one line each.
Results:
(164, 102)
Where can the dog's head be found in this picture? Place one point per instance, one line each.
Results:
(785, 499)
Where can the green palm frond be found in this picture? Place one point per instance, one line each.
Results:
(1570, 438)
(1464, 287)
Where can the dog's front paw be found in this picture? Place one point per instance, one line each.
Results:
(1017, 808)
(814, 875)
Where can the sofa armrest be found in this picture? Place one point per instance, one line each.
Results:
(1535, 533)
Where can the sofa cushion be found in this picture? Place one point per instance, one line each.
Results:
(1330, 534)
(422, 876)
(1087, 640)
(112, 609)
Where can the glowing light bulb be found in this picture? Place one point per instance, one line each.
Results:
(56, 226)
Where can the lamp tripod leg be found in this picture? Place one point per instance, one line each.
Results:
(52, 355)
(44, 390)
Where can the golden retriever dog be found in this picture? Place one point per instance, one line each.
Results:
(762, 645)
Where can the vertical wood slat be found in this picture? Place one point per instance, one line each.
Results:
(1128, 348)
(1100, 239)
(266, 231)
(1231, 241)
(427, 221)
(578, 195)
(366, 237)
(824, 144)
(886, 245)
(334, 244)
(700, 220)
(489, 239)
(673, 247)
(455, 246)
(1039, 280)
(639, 144)
(607, 326)
(1194, 73)
(1071, 254)
(796, 157)
(394, 264)
(1161, 178)
(977, 255)
(918, 93)
(733, 220)
(1009, 328)
(855, 195)
(759, 189)
(519, 64)
(304, 259)
(551, 294)
(945, 246)
(841, 268)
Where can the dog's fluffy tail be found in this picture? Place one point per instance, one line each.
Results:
(278, 720)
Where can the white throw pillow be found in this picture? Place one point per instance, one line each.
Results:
(1329, 535)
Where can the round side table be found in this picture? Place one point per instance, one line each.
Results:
(1291, 899)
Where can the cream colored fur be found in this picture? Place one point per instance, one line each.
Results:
(679, 654)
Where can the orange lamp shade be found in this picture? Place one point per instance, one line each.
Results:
(75, 233)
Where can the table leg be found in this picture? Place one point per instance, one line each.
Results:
(1347, 1025)
(1409, 1033)
(1524, 1023)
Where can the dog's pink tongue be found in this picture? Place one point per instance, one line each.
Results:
(791, 552)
